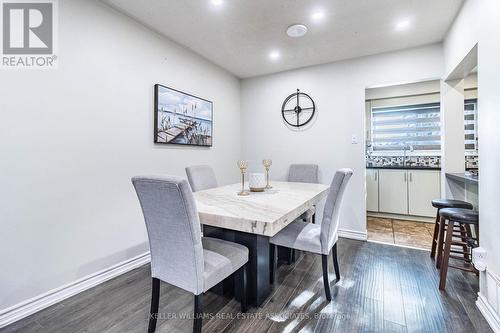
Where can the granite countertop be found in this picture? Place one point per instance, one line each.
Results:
(463, 177)
(408, 167)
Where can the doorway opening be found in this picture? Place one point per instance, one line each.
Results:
(406, 166)
(403, 162)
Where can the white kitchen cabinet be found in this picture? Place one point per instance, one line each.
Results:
(423, 187)
(372, 190)
(393, 191)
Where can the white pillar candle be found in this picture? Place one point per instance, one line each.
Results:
(257, 182)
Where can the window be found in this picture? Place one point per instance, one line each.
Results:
(470, 125)
(395, 127)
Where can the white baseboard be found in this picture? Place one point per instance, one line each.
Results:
(402, 217)
(357, 235)
(35, 304)
(399, 245)
(488, 312)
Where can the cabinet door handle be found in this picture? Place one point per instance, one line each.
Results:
(411, 176)
(405, 177)
(376, 173)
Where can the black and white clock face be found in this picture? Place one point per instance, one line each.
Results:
(298, 109)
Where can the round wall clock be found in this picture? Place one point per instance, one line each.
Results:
(298, 109)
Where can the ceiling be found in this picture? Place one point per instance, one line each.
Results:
(239, 35)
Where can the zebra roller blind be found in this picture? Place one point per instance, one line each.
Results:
(470, 119)
(417, 125)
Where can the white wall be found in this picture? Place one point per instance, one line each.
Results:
(407, 90)
(489, 145)
(478, 23)
(489, 138)
(452, 133)
(71, 138)
(463, 35)
(339, 92)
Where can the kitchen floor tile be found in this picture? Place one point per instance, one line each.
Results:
(430, 228)
(400, 232)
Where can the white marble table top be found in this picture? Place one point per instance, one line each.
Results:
(262, 213)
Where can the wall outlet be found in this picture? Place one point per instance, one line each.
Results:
(354, 139)
(479, 258)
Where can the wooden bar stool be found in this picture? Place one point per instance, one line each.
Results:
(463, 218)
(437, 238)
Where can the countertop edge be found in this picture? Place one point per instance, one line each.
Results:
(463, 177)
(403, 168)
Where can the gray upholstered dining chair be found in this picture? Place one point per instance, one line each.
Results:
(305, 173)
(201, 177)
(319, 239)
(179, 255)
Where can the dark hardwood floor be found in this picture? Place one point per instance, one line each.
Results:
(383, 289)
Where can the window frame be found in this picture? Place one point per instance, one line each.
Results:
(396, 152)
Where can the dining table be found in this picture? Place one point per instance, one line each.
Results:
(252, 220)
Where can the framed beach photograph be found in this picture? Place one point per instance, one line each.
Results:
(181, 118)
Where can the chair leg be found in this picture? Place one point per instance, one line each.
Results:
(290, 256)
(273, 262)
(335, 262)
(313, 218)
(435, 236)
(476, 229)
(326, 282)
(463, 237)
(198, 313)
(439, 247)
(446, 255)
(241, 280)
(155, 300)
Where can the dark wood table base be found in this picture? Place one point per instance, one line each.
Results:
(258, 286)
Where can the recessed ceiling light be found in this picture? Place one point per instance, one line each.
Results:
(403, 24)
(318, 15)
(274, 55)
(217, 2)
(296, 30)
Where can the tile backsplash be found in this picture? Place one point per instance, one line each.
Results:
(471, 162)
(411, 161)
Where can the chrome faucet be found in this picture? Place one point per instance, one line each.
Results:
(405, 148)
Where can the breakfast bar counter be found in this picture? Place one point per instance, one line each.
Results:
(464, 177)
(463, 186)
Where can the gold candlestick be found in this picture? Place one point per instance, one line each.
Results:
(243, 165)
(267, 164)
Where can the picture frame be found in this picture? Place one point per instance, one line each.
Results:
(181, 118)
